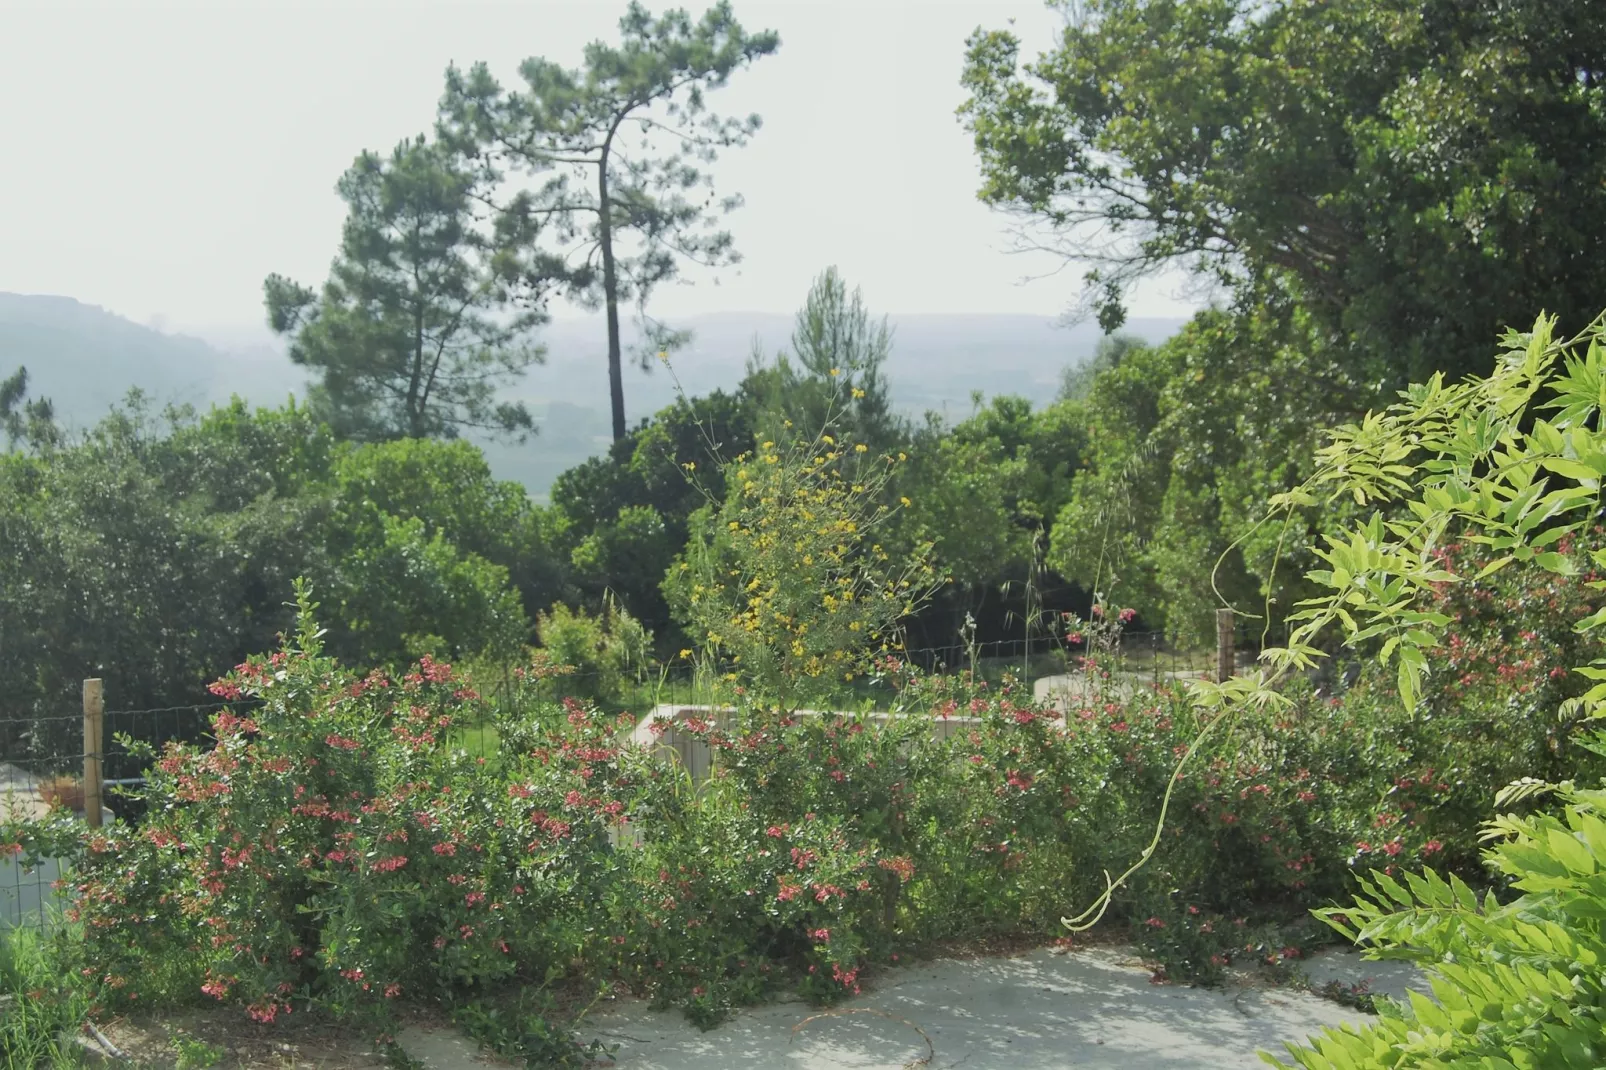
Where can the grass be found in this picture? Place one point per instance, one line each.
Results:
(40, 1012)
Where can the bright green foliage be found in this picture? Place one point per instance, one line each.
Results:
(1187, 441)
(962, 490)
(1077, 379)
(1513, 463)
(400, 593)
(1519, 984)
(569, 129)
(1416, 175)
(1475, 461)
(41, 1012)
(985, 494)
(606, 654)
(629, 555)
(413, 333)
(622, 518)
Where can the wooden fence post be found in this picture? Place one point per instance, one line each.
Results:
(94, 724)
(1226, 655)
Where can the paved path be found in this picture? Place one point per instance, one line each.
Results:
(1038, 1011)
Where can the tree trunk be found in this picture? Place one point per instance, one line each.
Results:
(610, 290)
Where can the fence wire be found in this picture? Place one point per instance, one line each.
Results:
(42, 763)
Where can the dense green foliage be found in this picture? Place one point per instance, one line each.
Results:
(1374, 189)
(1414, 175)
(149, 551)
(1513, 463)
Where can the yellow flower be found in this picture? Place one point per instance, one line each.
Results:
(828, 440)
(860, 448)
(835, 372)
(906, 502)
(858, 393)
(685, 653)
(903, 456)
(663, 356)
(690, 466)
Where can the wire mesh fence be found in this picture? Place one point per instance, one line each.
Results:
(50, 761)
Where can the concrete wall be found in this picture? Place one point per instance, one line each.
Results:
(26, 897)
(697, 757)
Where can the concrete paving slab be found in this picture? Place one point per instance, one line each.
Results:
(1381, 978)
(1038, 1011)
(444, 1049)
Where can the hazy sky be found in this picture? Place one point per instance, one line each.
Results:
(160, 158)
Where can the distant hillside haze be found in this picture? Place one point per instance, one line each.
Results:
(85, 359)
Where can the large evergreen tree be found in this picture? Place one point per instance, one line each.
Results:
(569, 129)
(416, 327)
(832, 379)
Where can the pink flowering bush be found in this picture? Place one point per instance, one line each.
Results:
(335, 847)
(338, 846)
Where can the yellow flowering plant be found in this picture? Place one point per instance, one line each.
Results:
(783, 583)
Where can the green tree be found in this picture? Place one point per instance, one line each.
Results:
(21, 419)
(1417, 175)
(1077, 379)
(156, 550)
(1186, 441)
(413, 332)
(832, 378)
(619, 518)
(626, 558)
(570, 128)
(785, 586)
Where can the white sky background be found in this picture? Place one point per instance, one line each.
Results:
(160, 159)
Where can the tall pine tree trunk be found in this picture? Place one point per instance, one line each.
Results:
(610, 290)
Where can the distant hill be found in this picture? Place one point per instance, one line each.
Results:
(85, 359)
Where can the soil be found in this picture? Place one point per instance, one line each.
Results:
(237, 1043)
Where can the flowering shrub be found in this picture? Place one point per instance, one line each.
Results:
(784, 584)
(333, 846)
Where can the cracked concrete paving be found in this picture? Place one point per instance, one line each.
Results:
(1037, 1011)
